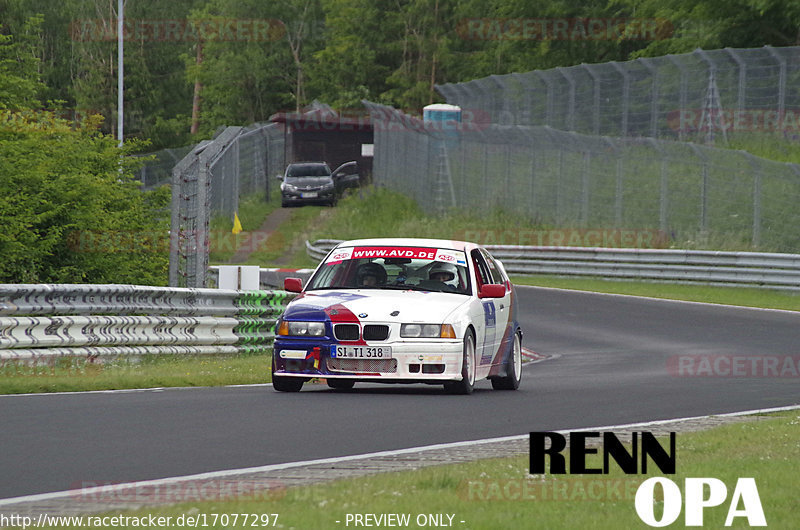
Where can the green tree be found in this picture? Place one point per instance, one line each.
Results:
(20, 86)
(69, 207)
(71, 210)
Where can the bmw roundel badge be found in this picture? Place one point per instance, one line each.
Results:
(362, 315)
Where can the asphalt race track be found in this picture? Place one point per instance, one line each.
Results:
(613, 361)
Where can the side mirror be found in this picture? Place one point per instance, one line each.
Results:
(279, 177)
(491, 290)
(293, 285)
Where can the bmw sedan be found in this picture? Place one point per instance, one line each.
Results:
(401, 311)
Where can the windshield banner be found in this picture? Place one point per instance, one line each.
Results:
(434, 254)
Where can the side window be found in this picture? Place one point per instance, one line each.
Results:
(494, 269)
(481, 269)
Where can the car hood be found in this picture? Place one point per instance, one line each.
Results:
(375, 305)
(305, 182)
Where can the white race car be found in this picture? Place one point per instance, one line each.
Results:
(401, 311)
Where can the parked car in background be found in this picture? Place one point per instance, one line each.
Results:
(401, 311)
(314, 183)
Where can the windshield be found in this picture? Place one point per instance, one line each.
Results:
(308, 170)
(403, 268)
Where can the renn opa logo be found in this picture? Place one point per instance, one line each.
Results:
(645, 447)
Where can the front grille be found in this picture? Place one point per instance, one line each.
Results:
(383, 366)
(346, 331)
(376, 332)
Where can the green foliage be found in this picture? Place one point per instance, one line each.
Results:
(71, 211)
(335, 51)
(19, 78)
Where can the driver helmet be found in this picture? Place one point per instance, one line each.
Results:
(371, 269)
(443, 268)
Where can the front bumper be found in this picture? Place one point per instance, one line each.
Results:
(322, 196)
(417, 360)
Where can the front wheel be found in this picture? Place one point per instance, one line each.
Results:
(513, 376)
(282, 383)
(467, 382)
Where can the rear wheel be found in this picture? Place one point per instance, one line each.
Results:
(467, 382)
(513, 376)
(341, 384)
(282, 383)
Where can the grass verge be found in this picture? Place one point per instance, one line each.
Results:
(253, 209)
(499, 493)
(285, 247)
(73, 374)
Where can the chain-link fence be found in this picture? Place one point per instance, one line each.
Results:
(208, 181)
(158, 171)
(689, 97)
(698, 196)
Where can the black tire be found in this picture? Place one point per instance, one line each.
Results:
(341, 384)
(513, 376)
(286, 384)
(468, 365)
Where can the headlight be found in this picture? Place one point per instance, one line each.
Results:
(301, 329)
(442, 331)
(288, 187)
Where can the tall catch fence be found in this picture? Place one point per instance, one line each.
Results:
(698, 196)
(209, 181)
(158, 171)
(688, 97)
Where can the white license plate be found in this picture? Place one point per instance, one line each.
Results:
(362, 352)
(309, 195)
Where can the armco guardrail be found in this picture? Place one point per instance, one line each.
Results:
(320, 248)
(41, 321)
(756, 269)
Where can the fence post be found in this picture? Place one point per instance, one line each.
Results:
(570, 124)
(647, 62)
(703, 190)
(550, 97)
(781, 81)
(663, 200)
(595, 97)
(756, 198)
(682, 94)
(740, 95)
(626, 97)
